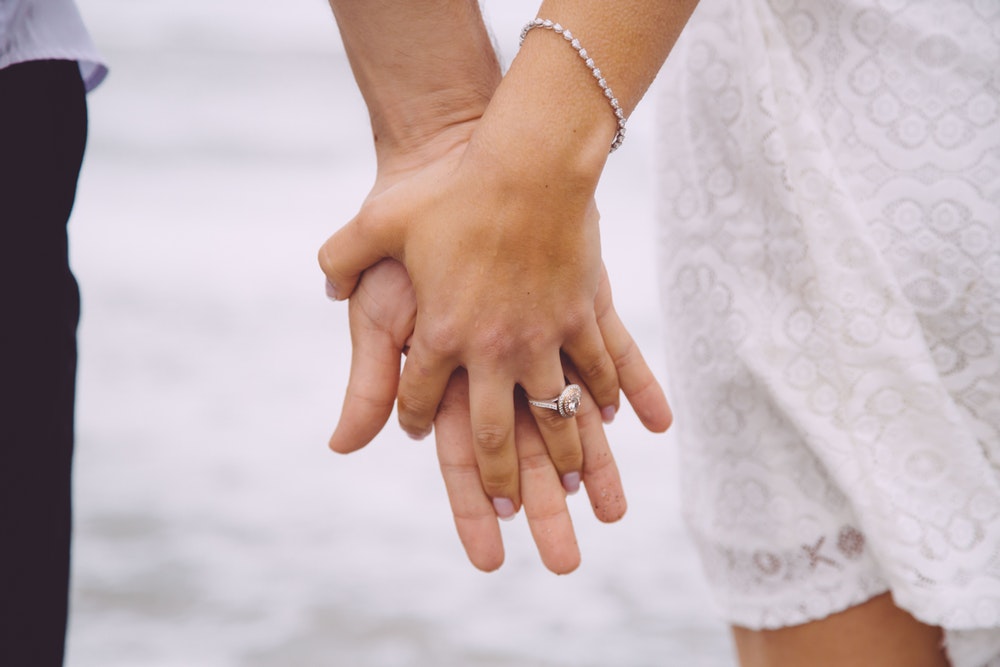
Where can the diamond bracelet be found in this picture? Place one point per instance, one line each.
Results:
(589, 62)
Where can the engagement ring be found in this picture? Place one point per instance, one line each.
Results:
(566, 403)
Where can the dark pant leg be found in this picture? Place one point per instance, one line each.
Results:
(43, 128)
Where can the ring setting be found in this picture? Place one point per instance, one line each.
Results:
(566, 404)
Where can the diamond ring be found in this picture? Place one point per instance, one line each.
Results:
(566, 404)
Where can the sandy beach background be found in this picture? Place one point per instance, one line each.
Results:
(214, 528)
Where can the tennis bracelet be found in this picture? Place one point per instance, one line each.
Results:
(589, 62)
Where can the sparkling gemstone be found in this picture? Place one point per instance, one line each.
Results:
(569, 401)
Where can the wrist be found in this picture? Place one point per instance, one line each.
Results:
(406, 124)
(422, 67)
(397, 161)
(587, 59)
(549, 119)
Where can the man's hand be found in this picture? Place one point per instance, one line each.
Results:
(382, 311)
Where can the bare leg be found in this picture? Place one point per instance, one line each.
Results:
(871, 634)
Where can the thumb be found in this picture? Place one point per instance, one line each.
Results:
(381, 316)
(359, 244)
(371, 393)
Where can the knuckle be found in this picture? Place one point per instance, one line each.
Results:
(533, 338)
(326, 262)
(366, 401)
(576, 319)
(369, 309)
(598, 463)
(626, 355)
(496, 483)
(567, 460)
(598, 367)
(490, 438)
(442, 337)
(414, 409)
(494, 343)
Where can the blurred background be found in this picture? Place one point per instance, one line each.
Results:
(214, 528)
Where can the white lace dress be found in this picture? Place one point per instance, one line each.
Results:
(830, 195)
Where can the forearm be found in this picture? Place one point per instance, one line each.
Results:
(550, 105)
(422, 66)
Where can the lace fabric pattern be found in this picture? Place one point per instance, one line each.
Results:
(830, 200)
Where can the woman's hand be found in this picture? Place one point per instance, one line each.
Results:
(505, 268)
(499, 235)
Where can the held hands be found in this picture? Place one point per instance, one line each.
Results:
(504, 277)
(381, 315)
(502, 285)
(382, 310)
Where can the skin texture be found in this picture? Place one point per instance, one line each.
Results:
(871, 634)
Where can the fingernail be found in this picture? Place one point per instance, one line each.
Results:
(571, 482)
(504, 508)
(608, 414)
(331, 291)
(419, 436)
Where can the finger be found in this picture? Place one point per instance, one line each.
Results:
(367, 238)
(562, 440)
(543, 496)
(600, 472)
(637, 380)
(589, 354)
(371, 390)
(475, 518)
(421, 388)
(492, 417)
(381, 315)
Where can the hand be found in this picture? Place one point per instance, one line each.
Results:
(382, 311)
(501, 288)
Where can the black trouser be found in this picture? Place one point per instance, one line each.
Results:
(43, 130)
